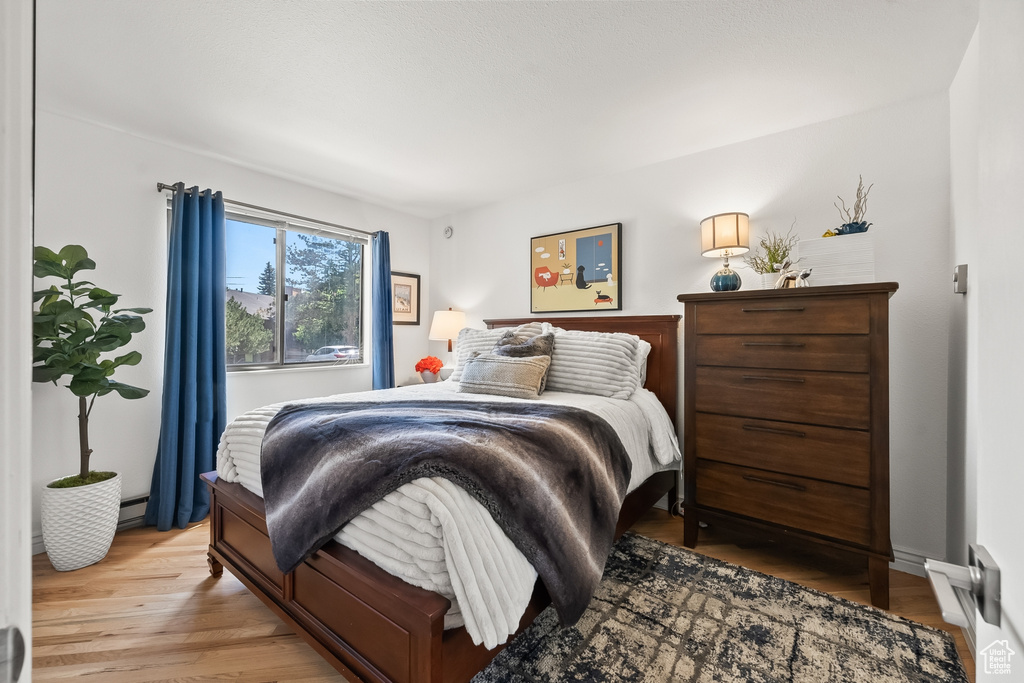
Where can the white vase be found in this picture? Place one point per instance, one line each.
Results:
(428, 377)
(79, 523)
(768, 280)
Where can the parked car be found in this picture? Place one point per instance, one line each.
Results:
(346, 354)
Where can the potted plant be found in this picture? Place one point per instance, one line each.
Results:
(429, 368)
(74, 325)
(773, 250)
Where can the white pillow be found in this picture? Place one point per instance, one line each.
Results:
(643, 350)
(472, 341)
(599, 363)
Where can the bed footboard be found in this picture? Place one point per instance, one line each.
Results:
(368, 624)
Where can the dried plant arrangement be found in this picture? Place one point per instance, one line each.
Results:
(776, 250)
(854, 218)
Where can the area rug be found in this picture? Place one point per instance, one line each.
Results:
(664, 614)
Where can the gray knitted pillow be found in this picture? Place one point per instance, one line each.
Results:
(481, 341)
(504, 376)
(517, 345)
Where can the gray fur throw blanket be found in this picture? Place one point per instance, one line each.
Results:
(552, 476)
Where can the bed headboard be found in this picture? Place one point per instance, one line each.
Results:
(660, 331)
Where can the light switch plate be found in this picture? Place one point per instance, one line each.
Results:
(960, 279)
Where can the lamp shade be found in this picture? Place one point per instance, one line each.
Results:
(446, 325)
(725, 234)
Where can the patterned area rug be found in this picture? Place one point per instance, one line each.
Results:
(663, 614)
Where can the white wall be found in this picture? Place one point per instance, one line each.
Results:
(903, 149)
(97, 187)
(996, 326)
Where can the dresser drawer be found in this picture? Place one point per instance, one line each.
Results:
(833, 510)
(834, 399)
(842, 353)
(826, 453)
(785, 315)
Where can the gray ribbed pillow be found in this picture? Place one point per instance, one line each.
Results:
(516, 345)
(472, 341)
(504, 376)
(599, 363)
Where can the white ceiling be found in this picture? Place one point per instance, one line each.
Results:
(433, 107)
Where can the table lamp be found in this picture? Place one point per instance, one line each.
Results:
(445, 325)
(721, 236)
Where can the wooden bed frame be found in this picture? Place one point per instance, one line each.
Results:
(370, 625)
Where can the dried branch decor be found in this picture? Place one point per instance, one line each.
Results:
(854, 220)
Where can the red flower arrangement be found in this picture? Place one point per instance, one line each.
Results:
(429, 364)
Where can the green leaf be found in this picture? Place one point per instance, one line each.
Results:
(41, 353)
(134, 310)
(41, 373)
(130, 358)
(89, 373)
(72, 254)
(43, 293)
(69, 316)
(48, 269)
(45, 330)
(44, 254)
(133, 322)
(127, 390)
(56, 307)
(82, 387)
(84, 264)
(83, 333)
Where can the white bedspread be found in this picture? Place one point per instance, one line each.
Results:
(432, 534)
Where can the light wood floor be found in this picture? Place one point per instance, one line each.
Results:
(151, 611)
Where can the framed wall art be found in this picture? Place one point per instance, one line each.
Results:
(405, 298)
(578, 270)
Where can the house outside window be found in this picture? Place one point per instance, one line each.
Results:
(294, 294)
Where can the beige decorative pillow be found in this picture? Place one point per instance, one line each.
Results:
(504, 376)
(516, 345)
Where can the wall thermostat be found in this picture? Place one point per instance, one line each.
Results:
(448, 232)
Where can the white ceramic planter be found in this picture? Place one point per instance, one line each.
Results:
(79, 523)
(428, 377)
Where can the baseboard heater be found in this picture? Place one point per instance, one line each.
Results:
(134, 501)
(964, 591)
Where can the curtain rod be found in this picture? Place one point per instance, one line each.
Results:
(160, 187)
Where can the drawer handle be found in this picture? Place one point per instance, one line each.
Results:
(783, 484)
(780, 309)
(772, 430)
(793, 344)
(762, 378)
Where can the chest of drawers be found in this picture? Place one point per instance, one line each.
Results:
(786, 416)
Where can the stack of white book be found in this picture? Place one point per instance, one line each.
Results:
(839, 260)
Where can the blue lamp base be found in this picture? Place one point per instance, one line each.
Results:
(726, 280)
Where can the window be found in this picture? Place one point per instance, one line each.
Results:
(314, 277)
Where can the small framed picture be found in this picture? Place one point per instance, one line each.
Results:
(577, 270)
(405, 298)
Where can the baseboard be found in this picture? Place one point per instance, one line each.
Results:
(130, 518)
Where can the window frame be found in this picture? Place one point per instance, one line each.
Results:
(282, 227)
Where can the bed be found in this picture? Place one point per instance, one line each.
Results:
(371, 625)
